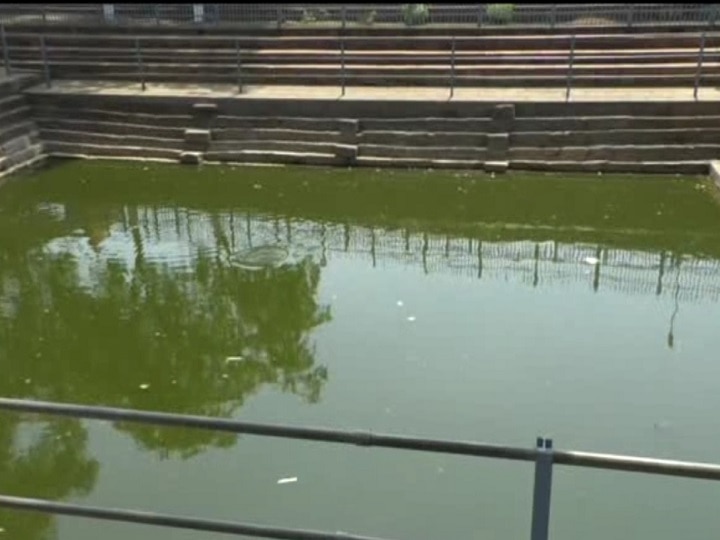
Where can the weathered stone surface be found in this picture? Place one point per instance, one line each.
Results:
(498, 142)
(346, 153)
(205, 108)
(496, 166)
(504, 113)
(715, 172)
(200, 137)
(349, 131)
(191, 158)
(503, 118)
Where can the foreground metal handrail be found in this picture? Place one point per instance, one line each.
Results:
(168, 520)
(544, 456)
(637, 464)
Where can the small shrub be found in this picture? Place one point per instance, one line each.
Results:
(500, 13)
(368, 18)
(415, 14)
(314, 15)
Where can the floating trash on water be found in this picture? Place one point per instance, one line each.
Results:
(400, 303)
(289, 480)
(257, 186)
(225, 376)
(144, 386)
(270, 256)
(232, 359)
(440, 470)
(591, 260)
(28, 381)
(411, 318)
(173, 381)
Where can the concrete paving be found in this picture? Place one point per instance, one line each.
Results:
(379, 93)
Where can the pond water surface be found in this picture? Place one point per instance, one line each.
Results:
(444, 305)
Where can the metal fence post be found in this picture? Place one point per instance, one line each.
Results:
(480, 14)
(46, 67)
(698, 71)
(239, 66)
(542, 490)
(553, 16)
(278, 16)
(571, 61)
(156, 10)
(452, 68)
(342, 66)
(6, 52)
(344, 16)
(631, 12)
(141, 68)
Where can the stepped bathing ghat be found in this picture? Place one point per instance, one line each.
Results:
(587, 88)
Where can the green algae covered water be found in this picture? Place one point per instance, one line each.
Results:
(447, 305)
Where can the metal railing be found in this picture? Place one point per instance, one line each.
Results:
(543, 455)
(573, 50)
(361, 15)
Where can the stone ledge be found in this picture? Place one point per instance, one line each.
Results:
(715, 173)
(191, 158)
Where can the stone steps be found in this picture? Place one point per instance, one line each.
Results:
(273, 134)
(71, 136)
(391, 80)
(277, 145)
(423, 152)
(574, 137)
(299, 72)
(61, 56)
(622, 153)
(76, 149)
(613, 60)
(527, 42)
(113, 128)
(272, 156)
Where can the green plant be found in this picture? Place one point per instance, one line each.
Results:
(313, 15)
(368, 17)
(415, 14)
(500, 13)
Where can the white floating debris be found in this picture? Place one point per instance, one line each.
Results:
(144, 386)
(173, 381)
(289, 480)
(231, 359)
(257, 186)
(411, 318)
(28, 381)
(400, 303)
(224, 375)
(591, 260)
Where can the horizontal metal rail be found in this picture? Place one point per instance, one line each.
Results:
(645, 465)
(167, 520)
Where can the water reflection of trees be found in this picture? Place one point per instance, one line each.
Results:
(46, 459)
(171, 329)
(99, 338)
